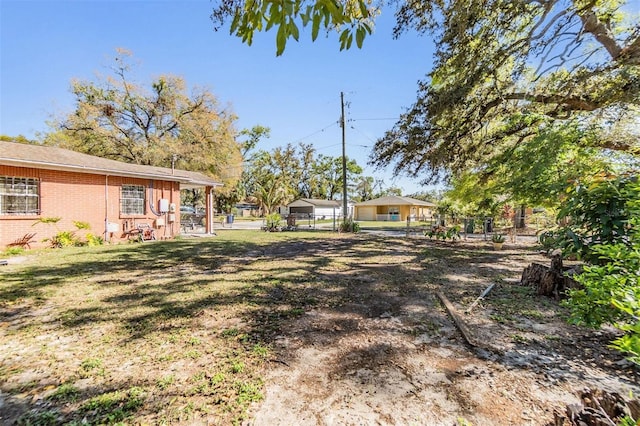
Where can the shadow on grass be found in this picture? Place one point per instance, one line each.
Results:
(147, 285)
(240, 292)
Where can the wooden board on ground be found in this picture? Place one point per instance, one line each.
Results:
(457, 319)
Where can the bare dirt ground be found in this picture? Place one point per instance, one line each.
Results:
(391, 355)
(291, 329)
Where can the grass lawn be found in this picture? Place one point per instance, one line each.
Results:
(156, 332)
(184, 331)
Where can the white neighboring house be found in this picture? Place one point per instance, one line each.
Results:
(309, 207)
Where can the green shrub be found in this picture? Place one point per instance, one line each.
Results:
(597, 212)
(453, 233)
(592, 305)
(606, 233)
(69, 238)
(13, 251)
(349, 225)
(629, 303)
(63, 239)
(497, 238)
(273, 222)
(440, 233)
(94, 240)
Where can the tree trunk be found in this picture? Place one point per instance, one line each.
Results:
(521, 217)
(598, 408)
(548, 281)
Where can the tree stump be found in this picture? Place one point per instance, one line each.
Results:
(548, 281)
(598, 408)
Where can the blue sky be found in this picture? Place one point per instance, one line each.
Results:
(45, 44)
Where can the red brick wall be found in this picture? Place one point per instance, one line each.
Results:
(87, 198)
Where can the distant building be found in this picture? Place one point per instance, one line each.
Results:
(394, 208)
(309, 207)
(247, 209)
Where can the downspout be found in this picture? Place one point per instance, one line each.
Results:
(170, 203)
(106, 208)
(151, 200)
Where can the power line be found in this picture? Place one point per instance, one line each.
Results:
(366, 136)
(316, 132)
(325, 147)
(373, 119)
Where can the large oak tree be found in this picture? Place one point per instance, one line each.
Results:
(508, 70)
(160, 126)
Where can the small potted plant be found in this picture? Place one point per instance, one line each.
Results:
(498, 241)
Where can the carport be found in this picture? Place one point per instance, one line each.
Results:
(313, 208)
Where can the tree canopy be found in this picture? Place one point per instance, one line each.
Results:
(296, 172)
(161, 126)
(506, 71)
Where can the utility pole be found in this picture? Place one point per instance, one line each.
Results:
(344, 161)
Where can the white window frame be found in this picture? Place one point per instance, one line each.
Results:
(132, 200)
(19, 196)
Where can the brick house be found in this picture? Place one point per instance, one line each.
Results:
(113, 197)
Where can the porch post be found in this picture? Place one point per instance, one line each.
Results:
(209, 209)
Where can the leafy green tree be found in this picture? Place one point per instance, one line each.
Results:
(272, 192)
(352, 18)
(606, 230)
(505, 70)
(364, 188)
(329, 170)
(281, 163)
(163, 126)
(538, 171)
(299, 171)
(249, 139)
(472, 196)
(308, 185)
(598, 211)
(433, 195)
(270, 178)
(388, 191)
(19, 139)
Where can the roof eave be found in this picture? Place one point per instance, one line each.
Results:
(109, 172)
(199, 184)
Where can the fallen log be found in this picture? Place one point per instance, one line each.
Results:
(457, 319)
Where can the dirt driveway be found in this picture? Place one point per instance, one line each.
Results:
(388, 353)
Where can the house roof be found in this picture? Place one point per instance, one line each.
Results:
(394, 200)
(54, 158)
(304, 202)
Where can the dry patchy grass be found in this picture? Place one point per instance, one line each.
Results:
(181, 332)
